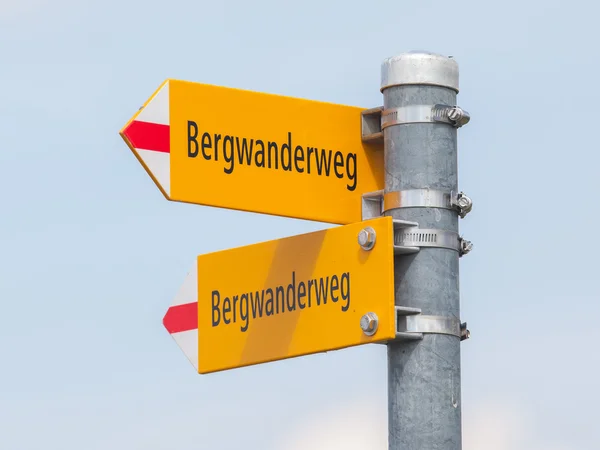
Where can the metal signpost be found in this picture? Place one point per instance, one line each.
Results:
(420, 124)
(388, 275)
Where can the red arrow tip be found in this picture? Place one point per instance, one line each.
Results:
(181, 318)
(148, 136)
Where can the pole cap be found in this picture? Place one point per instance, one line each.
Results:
(419, 67)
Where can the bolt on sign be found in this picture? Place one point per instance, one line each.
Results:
(249, 151)
(289, 297)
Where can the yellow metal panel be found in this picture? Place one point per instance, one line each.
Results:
(242, 319)
(307, 160)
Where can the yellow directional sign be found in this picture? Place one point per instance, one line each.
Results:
(257, 152)
(294, 296)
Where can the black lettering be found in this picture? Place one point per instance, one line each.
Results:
(298, 156)
(206, 143)
(323, 165)
(217, 139)
(301, 293)
(192, 138)
(351, 172)
(310, 283)
(244, 150)
(235, 299)
(215, 308)
(244, 316)
(226, 309)
(257, 304)
(334, 282)
(248, 151)
(279, 299)
(269, 311)
(273, 145)
(260, 152)
(309, 151)
(228, 156)
(292, 288)
(321, 291)
(279, 295)
(338, 161)
(345, 289)
(287, 146)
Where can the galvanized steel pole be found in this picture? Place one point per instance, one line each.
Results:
(424, 377)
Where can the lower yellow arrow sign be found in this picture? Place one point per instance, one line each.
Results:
(286, 298)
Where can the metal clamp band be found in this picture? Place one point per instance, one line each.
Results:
(417, 198)
(427, 198)
(411, 324)
(408, 237)
(427, 237)
(429, 325)
(452, 115)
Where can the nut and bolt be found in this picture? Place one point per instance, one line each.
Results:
(465, 247)
(464, 203)
(366, 238)
(464, 332)
(369, 323)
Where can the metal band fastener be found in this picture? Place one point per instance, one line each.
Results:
(409, 238)
(427, 198)
(453, 115)
(414, 198)
(429, 325)
(411, 324)
(427, 237)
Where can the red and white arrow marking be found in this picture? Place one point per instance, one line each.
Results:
(181, 319)
(149, 137)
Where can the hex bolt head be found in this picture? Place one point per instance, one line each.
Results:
(366, 238)
(369, 323)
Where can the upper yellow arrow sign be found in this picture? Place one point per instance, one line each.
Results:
(256, 152)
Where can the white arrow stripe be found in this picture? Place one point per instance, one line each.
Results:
(159, 165)
(157, 110)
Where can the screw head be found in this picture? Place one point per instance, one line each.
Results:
(459, 116)
(454, 114)
(366, 238)
(369, 323)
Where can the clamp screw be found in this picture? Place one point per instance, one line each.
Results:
(366, 238)
(369, 323)
(464, 332)
(464, 203)
(458, 117)
(465, 247)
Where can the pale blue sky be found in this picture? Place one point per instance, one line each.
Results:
(91, 254)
